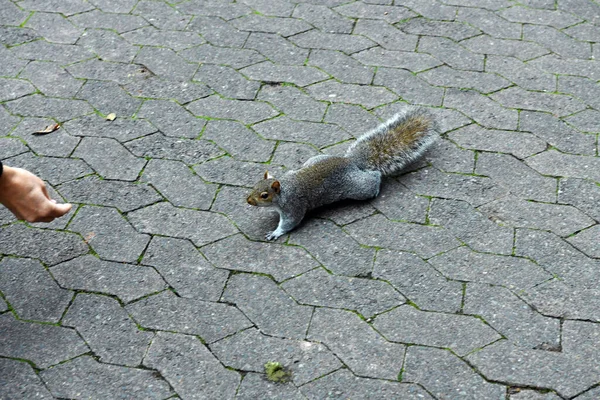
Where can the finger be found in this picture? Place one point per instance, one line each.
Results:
(44, 219)
(45, 191)
(58, 210)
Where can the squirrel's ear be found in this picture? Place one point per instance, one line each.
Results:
(276, 186)
(268, 175)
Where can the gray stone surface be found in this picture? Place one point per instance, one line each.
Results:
(497, 224)
(315, 39)
(108, 71)
(341, 66)
(276, 48)
(108, 45)
(190, 368)
(71, 379)
(259, 297)
(354, 119)
(587, 242)
(512, 317)
(125, 196)
(471, 227)
(15, 88)
(108, 330)
(583, 194)
(209, 320)
(164, 88)
(449, 77)
(366, 296)
(519, 144)
(109, 234)
(20, 240)
(559, 164)
(522, 74)
(188, 190)
(202, 227)
(121, 129)
(269, 72)
(235, 58)
(41, 344)
(165, 63)
(414, 62)
(243, 111)
(461, 334)
(238, 254)
(424, 240)
(37, 105)
(556, 256)
(357, 344)
(418, 281)
(451, 54)
(226, 170)
(256, 386)
(367, 96)
(186, 150)
(454, 159)
(282, 26)
(184, 268)
(171, 119)
(292, 101)
(333, 248)
(240, 142)
(282, 128)
(58, 144)
(465, 265)
(115, 162)
(506, 362)
(30, 290)
(519, 98)
(481, 108)
(218, 32)
(374, 11)
(12, 147)
(126, 281)
(473, 189)
(408, 87)
(522, 50)
(343, 384)
(18, 380)
(446, 376)
(227, 82)
(250, 351)
(108, 97)
(564, 219)
(556, 133)
(108, 20)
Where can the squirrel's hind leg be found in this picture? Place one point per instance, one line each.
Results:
(365, 185)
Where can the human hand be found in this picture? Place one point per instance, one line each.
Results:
(26, 196)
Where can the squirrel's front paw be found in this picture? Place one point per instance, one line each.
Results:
(272, 235)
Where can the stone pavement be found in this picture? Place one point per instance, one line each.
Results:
(473, 275)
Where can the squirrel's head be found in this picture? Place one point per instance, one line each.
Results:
(264, 191)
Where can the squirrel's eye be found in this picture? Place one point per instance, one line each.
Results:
(264, 195)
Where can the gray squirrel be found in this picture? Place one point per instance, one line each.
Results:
(325, 179)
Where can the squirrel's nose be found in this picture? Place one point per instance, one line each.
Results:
(251, 201)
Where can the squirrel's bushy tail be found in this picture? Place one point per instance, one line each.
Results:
(396, 143)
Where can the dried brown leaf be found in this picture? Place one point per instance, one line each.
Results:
(48, 129)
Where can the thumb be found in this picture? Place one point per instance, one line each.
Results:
(58, 210)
